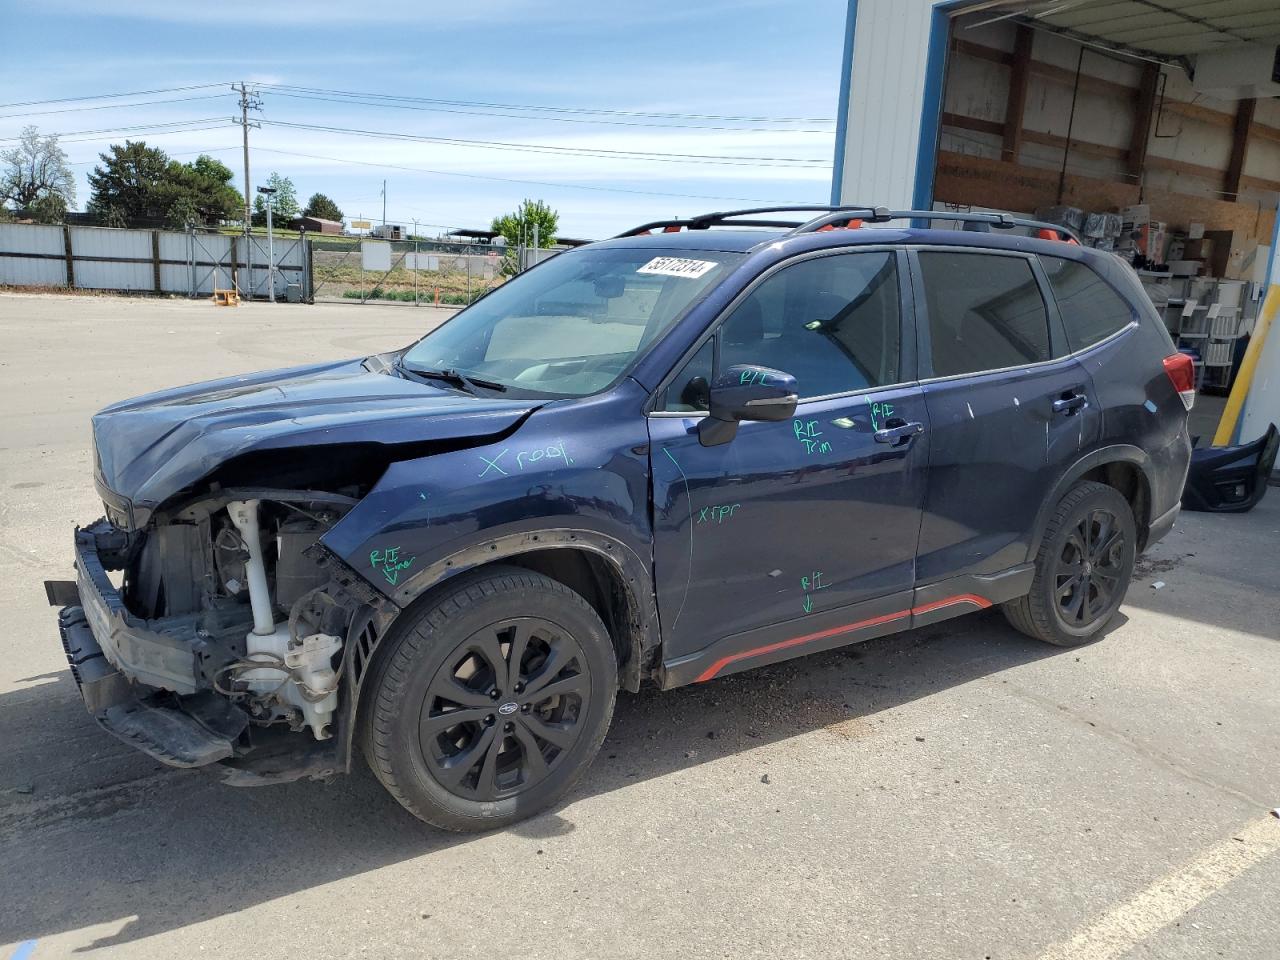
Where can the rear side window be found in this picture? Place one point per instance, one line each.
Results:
(1091, 310)
(985, 312)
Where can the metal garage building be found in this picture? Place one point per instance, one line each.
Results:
(1169, 107)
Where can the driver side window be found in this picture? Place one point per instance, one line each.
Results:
(831, 322)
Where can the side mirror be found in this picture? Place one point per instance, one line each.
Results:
(746, 393)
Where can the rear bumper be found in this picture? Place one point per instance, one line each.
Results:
(1162, 524)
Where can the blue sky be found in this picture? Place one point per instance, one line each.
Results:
(715, 58)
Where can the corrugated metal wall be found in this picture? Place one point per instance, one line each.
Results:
(105, 258)
(32, 271)
(886, 96)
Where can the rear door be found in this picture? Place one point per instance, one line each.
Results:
(1009, 411)
(799, 534)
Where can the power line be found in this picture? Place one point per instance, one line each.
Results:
(111, 96)
(180, 153)
(112, 106)
(603, 153)
(157, 133)
(535, 183)
(134, 129)
(549, 109)
(518, 116)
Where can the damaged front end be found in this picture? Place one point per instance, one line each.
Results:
(207, 622)
(228, 636)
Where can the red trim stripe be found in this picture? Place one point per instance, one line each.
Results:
(977, 601)
(715, 668)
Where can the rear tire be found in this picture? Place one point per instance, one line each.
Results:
(490, 703)
(1083, 568)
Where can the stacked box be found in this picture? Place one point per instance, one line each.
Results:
(1072, 217)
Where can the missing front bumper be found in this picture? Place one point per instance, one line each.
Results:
(170, 735)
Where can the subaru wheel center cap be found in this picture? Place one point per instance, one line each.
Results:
(508, 708)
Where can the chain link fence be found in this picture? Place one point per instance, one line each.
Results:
(422, 271)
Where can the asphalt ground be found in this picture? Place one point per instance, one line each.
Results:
(957, 791)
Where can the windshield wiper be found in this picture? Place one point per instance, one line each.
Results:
(456, 377)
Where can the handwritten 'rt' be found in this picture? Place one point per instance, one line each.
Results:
(388, 562)
(555, 451)
(717, 514)
(808, 434)
(880, 412)
(811, 584)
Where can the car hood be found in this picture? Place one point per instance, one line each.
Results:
(151, 447)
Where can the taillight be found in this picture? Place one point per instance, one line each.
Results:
(1182, 373)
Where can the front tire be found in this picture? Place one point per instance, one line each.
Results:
(1083, 568)
(491, 702)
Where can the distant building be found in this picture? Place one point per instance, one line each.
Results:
(315, 225)
(488, 236)
(388, 231)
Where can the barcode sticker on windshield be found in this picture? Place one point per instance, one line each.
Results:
(677, 267)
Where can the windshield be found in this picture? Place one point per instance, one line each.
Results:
(576, 323)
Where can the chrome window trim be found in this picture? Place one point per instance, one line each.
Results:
(1039, 363)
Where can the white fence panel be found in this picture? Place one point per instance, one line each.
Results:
(31, 238)
(30, 272)
(174, 246)
(105, 258)
(107, 242)
(91, 274)
(104, 275)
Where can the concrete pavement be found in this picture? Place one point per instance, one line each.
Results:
(957, 791)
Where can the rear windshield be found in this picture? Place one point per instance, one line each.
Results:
(576, 323)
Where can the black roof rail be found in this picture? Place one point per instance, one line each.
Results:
(732, 218)
(1001, 221)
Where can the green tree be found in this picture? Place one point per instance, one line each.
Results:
(137, 184)
(127, 186)
(35, 177)
(284, 203)
(198, 192)
(321, 206)
(518, 227)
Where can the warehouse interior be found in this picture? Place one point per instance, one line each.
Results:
(1151, 132)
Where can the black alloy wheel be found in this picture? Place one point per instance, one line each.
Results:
(505, 708)
(1089, 568)
(488, 700)
(1082, 567)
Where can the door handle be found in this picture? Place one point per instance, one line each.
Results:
(903, 431)
(1069, 403)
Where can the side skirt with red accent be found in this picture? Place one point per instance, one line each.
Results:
(864, 621)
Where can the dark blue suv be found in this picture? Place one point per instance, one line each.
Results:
(700, 447)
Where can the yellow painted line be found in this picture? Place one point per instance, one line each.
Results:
(1169, 898)
(1244, 378)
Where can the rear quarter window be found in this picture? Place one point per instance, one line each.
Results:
(1091, 310)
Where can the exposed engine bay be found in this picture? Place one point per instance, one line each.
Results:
(228, 629)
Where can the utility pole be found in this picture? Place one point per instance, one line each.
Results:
(248, 101)
(384, 208)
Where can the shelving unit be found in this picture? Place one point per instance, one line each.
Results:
(1206, 316)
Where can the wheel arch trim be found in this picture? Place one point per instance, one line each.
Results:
(632, 572)
(1115, 453)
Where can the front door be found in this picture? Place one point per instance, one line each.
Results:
(797, 535)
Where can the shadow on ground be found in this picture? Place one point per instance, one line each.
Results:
(174, 848)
